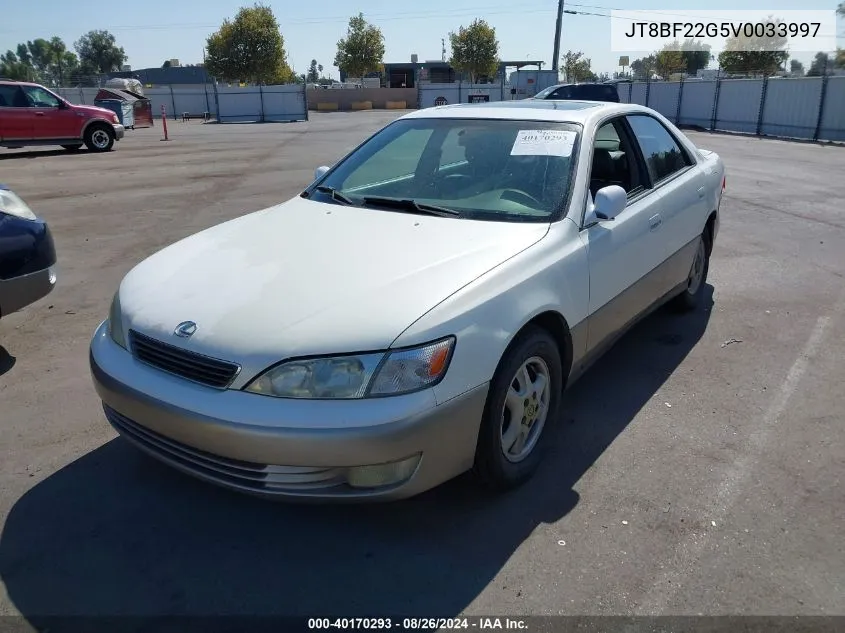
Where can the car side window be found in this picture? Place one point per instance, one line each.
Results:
(561, 93)
(13, 97)
(613, 163)
(40, 98)
(663, 155)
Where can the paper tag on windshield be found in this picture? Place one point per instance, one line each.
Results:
(543, 143)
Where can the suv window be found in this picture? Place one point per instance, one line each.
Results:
(12, 97)
(40, 98)
(663, 156)
(588, 92)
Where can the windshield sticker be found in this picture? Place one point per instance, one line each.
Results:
(543, 143)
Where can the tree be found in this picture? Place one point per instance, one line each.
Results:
(754, 55)
(249, 48)
(313, 72)
(821, 65)
(696, 56)
(839, 60)
(841, 9)
(166, 64)
(643, 69)
(576, 67)
(796, 67)
(475, 50)
(99, 53)
(13, 67)
(362, 50)
(320, 70)
(45, 61)
(669, 60)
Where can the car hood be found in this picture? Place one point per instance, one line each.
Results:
(94, 111)
(308, 278)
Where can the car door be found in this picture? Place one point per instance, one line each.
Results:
(679, 187)
(625, 253)
(50, 120)
(16, 117)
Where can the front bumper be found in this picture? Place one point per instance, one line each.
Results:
(119, 131)
(283, 448)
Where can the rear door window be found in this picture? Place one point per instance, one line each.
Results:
(663, 155)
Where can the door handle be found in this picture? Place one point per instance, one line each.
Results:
(701, 192)
(654, 222)
(39, 114)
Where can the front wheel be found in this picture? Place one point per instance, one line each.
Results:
(99, 138)
(521, 406)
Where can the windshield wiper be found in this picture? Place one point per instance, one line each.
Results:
(335, 194)
(412, 205)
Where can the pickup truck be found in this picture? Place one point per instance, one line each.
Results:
(30, 114)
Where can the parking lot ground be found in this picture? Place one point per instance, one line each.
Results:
(698, 468)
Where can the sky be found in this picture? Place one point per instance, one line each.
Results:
(156, 30)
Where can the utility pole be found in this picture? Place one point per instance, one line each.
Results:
(558, 28)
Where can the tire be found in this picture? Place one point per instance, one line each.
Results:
(72, 148)
(499, 465)
(691, 297)
(99, 137)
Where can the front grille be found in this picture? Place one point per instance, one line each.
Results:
(225, 470)
(197, 367)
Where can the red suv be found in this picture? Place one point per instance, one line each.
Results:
(32, 115)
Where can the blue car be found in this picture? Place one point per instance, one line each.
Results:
(27, 254)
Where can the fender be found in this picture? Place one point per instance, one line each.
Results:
(91, 122)
(550, 276)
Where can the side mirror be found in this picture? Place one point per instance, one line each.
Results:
(609, 202)
(63, 105)
(320, 172)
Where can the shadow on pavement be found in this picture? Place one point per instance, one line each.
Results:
(44, 153)
(115, 533)
(7, 361)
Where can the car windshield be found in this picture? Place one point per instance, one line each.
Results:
(488, 169)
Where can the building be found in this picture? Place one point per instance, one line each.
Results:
(409, 74)
(176, 76)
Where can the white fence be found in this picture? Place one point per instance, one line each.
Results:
(227, 105)
(446, 94)
(803, 108)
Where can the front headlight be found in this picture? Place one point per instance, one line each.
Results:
(12, 204)
(116, 322)
(359, 376)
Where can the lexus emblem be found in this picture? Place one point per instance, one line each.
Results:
(185, 329)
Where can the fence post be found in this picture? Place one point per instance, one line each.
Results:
(715, 112)
(207, 105)
(822, 99)
(647, 90)
(261, 99)
(173, 101)
(680, 99)
(217, 103)
(762, 105)
(630, 91)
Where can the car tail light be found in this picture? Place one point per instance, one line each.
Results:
(724, 182)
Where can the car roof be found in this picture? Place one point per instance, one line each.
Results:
(575, 111)
(13, 82)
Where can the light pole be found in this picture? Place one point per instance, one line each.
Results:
(558, 28)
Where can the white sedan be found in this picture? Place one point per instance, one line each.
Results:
(418, 310)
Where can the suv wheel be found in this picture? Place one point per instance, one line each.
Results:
(99, 137)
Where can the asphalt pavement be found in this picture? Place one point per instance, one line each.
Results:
(698, 468)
